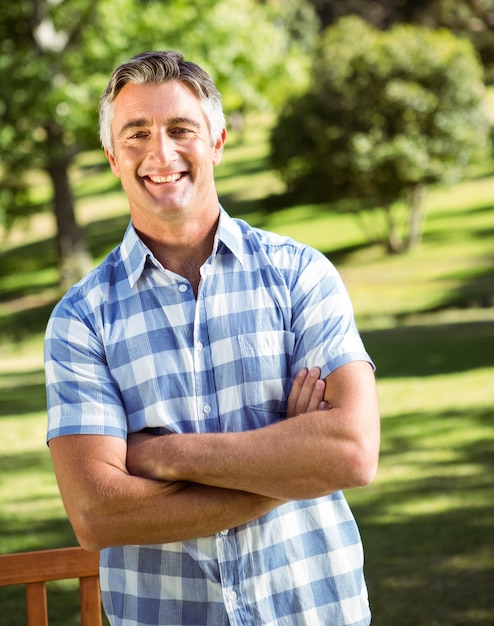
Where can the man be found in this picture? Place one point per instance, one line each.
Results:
(209, 395)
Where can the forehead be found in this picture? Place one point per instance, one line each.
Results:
(152, 101)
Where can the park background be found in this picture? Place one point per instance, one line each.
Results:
(426, 315)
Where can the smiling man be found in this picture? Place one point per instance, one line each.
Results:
(209, 394)
(164, 157)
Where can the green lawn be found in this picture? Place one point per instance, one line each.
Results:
(428, 321)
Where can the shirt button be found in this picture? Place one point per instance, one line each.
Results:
(224, 533)
(199, 346)
(207, 408)
(232, 595)
(182, 288)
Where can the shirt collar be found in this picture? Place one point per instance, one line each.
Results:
(230, 235)
(135, 253)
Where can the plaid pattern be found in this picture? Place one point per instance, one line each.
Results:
(130, 348)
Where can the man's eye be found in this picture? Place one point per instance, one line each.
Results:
(139, 135)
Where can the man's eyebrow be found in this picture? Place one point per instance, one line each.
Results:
(184, 120)
(137, 123)
(142, 122)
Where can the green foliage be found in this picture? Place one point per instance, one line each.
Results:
(387, 112)
(220, 36)
(45, 109)
(471, 19)
(55, 58)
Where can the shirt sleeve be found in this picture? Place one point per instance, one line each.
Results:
(82, 397)
(323, 318)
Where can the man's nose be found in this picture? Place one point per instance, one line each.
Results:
(162, 147)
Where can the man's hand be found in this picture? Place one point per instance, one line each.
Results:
(307, 393)
(312, 453)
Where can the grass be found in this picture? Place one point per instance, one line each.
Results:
(428, 321)
(427, 520)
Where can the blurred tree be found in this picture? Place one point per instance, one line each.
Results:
(388, 113)
(471, 18)
(41, 114)
(257, 52)
(56, 56)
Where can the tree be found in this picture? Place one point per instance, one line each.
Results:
(56, 56)
(388, 114)
(38, 128)
(473, 19)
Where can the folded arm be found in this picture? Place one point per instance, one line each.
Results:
(314, 453)
(107, 505)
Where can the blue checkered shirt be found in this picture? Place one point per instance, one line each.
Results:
(130, 348)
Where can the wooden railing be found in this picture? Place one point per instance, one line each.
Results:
(34, 569)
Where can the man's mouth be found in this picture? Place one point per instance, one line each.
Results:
(160, 180)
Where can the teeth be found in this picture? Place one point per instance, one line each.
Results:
(165, 179)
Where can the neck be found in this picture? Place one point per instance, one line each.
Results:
(184, 251)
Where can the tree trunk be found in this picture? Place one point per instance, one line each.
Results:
(73, 258)
(394, 238)
(416, 216)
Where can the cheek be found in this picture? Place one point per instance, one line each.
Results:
(128, 165)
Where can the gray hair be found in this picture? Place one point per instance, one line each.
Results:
(159, 67)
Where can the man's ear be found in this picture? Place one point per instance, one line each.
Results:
(218, 148)
(113, 163)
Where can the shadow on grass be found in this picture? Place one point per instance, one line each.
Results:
(104, 235)
(27, 525)
(431, 350)
(431, 233)
(27, 269)
(28, 257)
(26, 534)
(431, 570)
(475, 291)
(240, 167)
(22, 393)
(37, 461)
(427, 522)
(253, 211)
(25, 322)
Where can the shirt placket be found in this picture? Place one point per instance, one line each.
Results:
(205, 391)
(228, 556)
(229, 560)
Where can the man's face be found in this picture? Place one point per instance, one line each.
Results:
(163, 155)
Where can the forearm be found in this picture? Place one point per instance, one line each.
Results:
(299, 458)
(163, 516)
(306, 456)
(291, 459)
(107, 506)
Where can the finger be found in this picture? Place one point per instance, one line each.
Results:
(310, 394)
(317, 396)
(297, 385)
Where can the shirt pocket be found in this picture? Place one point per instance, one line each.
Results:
(266, 366)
